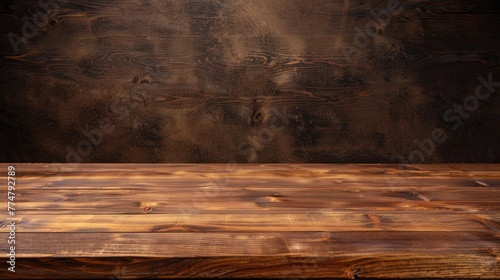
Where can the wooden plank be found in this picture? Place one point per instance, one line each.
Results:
(255, 198)
(318, 255)
(403, 171)
(258, 222)
(257, 244)
(246, 188)
(159, 206)
(374, 267)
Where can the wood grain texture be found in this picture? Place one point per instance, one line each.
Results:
(191, 81)
(128, 221)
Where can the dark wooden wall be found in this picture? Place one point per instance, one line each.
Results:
(247, 81)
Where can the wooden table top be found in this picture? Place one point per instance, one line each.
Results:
(281, 221)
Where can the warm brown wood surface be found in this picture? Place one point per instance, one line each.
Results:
(281, 221)
(189, 81)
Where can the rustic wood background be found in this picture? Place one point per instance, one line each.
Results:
(247, 81)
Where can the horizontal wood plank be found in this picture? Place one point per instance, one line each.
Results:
(259, 222)
(132, 189)
(256, 244)
(373, 267)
